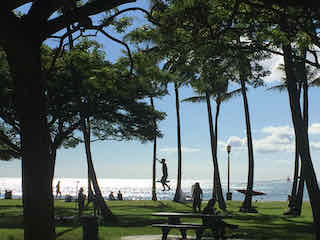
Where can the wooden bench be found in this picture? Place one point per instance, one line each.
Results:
(183, 227)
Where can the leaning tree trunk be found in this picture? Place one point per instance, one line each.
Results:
(295, 173)
(303, 140)
(105, 211)
(154, 191)
(306, 123)
(247, 203)
(299, 199)
(217, 186)
(177, 195)
(23, 54)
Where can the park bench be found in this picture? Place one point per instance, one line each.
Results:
(174, 222)
(183, 227)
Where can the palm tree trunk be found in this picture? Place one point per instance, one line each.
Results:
(217, 187)
(295, 174)
(302, 68)
(177, 195)
(154, 191)
(303, 140)
(299, 199)
(247, 203)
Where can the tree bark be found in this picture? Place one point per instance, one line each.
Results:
(303, 140)
(154, 191)
(247, 203)
(25, 66)
(177, 195)
(105, 211)
(217, 186)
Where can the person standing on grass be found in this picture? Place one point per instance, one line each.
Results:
(58, 190)
(120, 196)
(164, 175)
(81, 199)
(196, 197)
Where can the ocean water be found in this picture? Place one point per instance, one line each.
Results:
(140, 189)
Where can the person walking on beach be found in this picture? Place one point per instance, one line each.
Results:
(196, 197)
(164, 175)
(58, 190)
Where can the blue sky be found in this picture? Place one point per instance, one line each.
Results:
(271, 128)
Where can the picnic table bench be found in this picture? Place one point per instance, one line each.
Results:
(174, 222)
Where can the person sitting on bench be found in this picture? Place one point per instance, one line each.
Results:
(218, 225)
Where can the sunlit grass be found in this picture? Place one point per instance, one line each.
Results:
(134, 218)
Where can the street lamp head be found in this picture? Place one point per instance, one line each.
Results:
(228, 148)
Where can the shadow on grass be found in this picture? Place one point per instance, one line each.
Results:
(63, 232)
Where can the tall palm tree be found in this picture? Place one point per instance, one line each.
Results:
(247, 203)
(220, 94)
(177, 195)
(306, 77)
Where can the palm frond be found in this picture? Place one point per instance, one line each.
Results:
(227, 96)
(280, 88)
(315, 82)
(195, 99)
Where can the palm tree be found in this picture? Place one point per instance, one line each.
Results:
(307, 77)
(177, 195)
(219, 92)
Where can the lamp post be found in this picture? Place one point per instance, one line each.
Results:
(229, 194)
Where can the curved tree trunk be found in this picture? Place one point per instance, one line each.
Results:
(295, 173)
(302, 70)
(299, 199)
(177, 195)
(296, 162)
(105, 211)
(303, 140)
(247, 203)
(154, 191)
(23, 54)
(217, 186)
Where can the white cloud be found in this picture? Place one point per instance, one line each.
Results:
(183, 149)
(315, 146)
(314, 128)
(236, 142)
(281, 131)
(272, 65)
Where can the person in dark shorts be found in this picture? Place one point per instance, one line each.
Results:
(164, 175)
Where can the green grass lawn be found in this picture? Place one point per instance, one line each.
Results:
(134, 218)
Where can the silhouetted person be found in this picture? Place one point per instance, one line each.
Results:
(164, 175)
(120, 195)
(81, 199)
(111, 196)
(96, 209)
(219, 227)
(58, 189)
(196, 197)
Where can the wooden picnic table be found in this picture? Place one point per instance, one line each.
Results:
(174, 221)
